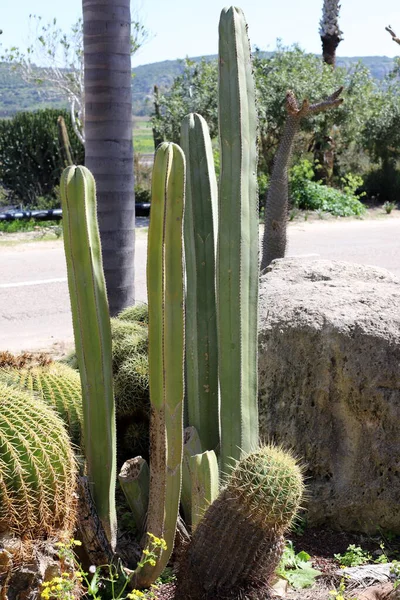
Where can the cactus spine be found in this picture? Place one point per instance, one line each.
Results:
(58, 386)
(200, 236)
(237, 256)
(37, 468)
(166, 350)
(247, 521)
(91, 322)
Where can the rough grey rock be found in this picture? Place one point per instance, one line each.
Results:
(329, 375)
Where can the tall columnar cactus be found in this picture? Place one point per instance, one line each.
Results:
(37, 468)
(91, 322)
(166, 350)
(57, 385)
(276, 204)
(200, 238)
(238, 543)
(237, 256)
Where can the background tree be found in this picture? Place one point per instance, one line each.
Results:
(54, 60)
(287, 68)
(329, 30)
(108, 134)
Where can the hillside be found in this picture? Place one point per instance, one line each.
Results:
(16, 95)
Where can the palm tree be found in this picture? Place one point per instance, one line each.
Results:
(108, 134)
(329, 31)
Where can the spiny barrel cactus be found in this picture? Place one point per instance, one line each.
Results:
(239, 542)
(37, 467)
(57, 385)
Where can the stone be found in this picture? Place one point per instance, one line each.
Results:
(329, 386)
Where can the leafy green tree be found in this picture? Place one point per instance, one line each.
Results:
(308, 78)
(193, 91)
(30, 160)
(286, 69)
(59, 55)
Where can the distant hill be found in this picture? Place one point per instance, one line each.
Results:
(16, 95)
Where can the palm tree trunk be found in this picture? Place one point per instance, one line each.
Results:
(329, 31)
(108, 134)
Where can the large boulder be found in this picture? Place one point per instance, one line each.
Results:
(329, 375)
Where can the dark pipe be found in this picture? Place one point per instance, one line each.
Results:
(55, 214)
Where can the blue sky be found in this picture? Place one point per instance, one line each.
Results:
(187, 28)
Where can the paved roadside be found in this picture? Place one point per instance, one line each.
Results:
(34, 302)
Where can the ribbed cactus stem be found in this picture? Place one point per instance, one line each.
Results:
(37, 468)
(166, 350)
(191, 446)
(238, 544)
(58, 385)
(134, 480)
(205, 483)
(200, 229)
(92, 331)
(237, 258)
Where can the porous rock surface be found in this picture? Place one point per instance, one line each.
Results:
(329, 386)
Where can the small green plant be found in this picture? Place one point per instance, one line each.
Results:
(353, 557)
(111, 577)
(30, 225)
(395, 573)
(307, 194)
(388, 206)
(297, 568)
(339, 593)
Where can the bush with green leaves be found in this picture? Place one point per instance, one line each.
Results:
(30, 162)
(307, 194)
(275, 73)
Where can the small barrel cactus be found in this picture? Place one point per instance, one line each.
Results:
(239, 542)
(37, 468)
(58, 385)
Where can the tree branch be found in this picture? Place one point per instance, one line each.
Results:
(392, 33)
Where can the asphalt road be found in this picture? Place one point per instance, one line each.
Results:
(34, 302)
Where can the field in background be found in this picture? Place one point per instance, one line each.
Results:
(142, 136)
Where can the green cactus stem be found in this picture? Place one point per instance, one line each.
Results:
(200, 237)
(247, 523)
(205, 483)
(166, 350)
(37, 468)
(92, 331)
(191, 446)
(134, 480)
(237, 256)
(276, 205)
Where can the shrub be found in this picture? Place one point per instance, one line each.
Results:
(30, 162)
(312, 195)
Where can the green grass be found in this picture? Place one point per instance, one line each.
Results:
(24, 225)
(143, 136)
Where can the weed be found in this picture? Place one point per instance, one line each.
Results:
(105, 577)
(339, 593)
(395, 573)
(353, 557)
(388, 206)
(297, 569)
